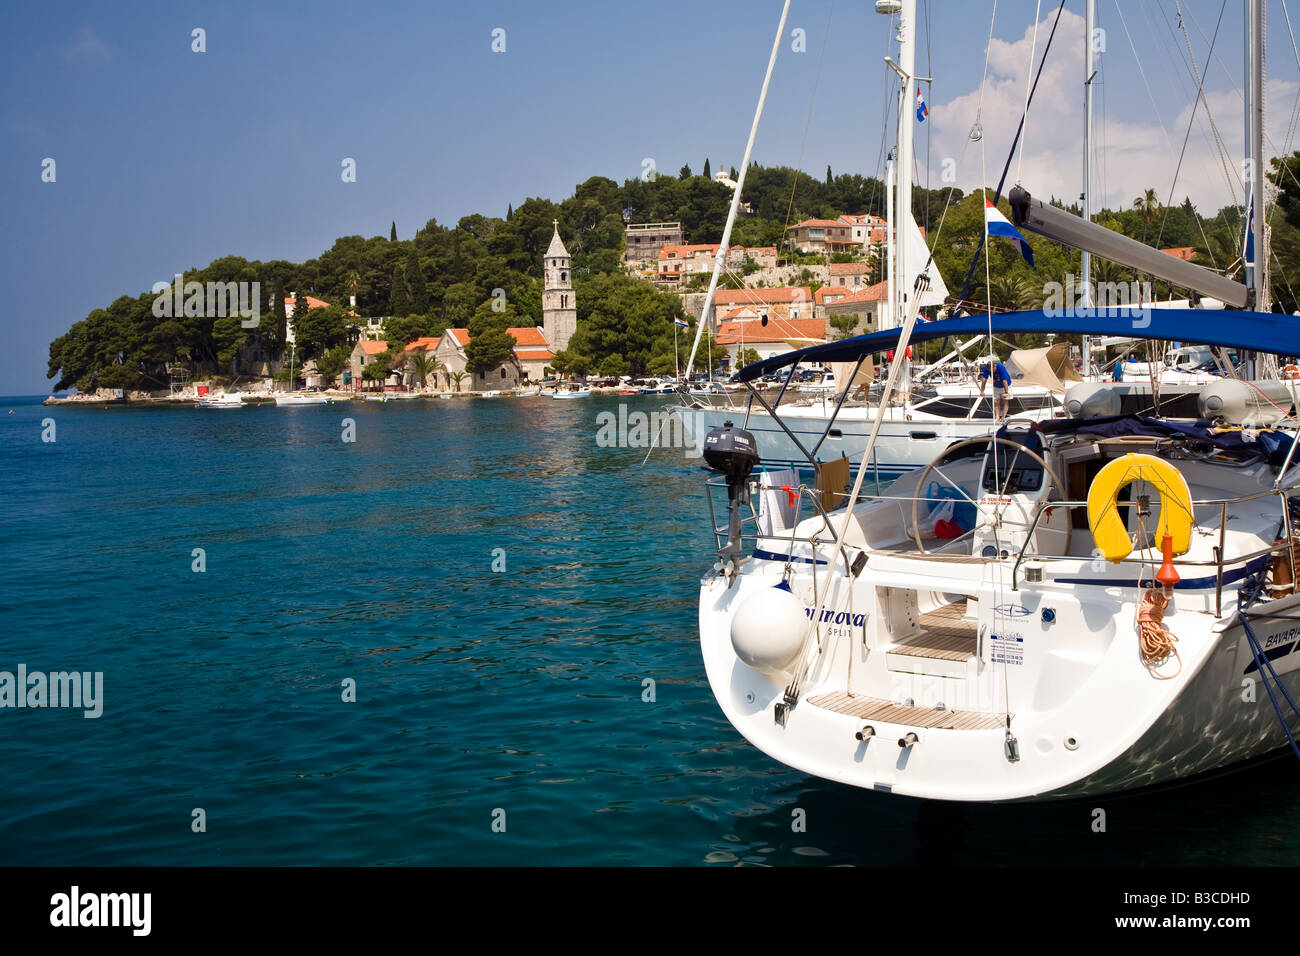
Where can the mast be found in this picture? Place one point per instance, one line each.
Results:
(706, 316)
(1257, 265)
(900, 286)
(1085, 267)
(889, 318)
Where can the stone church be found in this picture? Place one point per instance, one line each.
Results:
(559, 307)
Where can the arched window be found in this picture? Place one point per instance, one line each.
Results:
(564, 277)
(503, 371)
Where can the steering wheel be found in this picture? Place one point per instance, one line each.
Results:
(1056, 486)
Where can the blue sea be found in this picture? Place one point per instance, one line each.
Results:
(511, 696)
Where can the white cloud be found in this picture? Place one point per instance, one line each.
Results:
(1129, 157)
(86, 46)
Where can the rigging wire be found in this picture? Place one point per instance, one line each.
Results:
(1200, 222)
(1033, 50)
(1010, 155)
(1191, 120)
(812, 100)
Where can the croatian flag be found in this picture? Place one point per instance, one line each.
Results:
(999, 225)
(921, 110)
(677, 320)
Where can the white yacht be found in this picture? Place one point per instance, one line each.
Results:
(1064, 608)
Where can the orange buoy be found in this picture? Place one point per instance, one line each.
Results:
(1167, 575)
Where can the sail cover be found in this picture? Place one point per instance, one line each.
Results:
(1260, 331)
(1049, 366)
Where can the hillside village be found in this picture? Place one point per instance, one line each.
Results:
(779, 302)
(611, 281)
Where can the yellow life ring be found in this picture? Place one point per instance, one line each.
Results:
(1107, 527)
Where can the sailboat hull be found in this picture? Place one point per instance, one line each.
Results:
(1118, 729)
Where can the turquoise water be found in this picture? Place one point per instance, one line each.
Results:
(476, 690)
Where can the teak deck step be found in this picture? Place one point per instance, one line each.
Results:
(874, 708)
(945, 636)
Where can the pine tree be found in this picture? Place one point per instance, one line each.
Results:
(707, 174)
(415, 279)
(392, 233)
(685, 172)
(399, 302)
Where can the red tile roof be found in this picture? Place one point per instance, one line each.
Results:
(424, 343)
(732, 297)
(1186, 253)
(778, 330)
(816, 224)
(872, 293)
(373, 346)
(832, 291)
(534, 355)
(312, 303)
(460, 335)
(530, 336)
(682, 252)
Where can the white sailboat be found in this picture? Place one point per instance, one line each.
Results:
(1063, 609)
(221, 400)
(921, 419)
(294, 397)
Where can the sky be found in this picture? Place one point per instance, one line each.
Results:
(166, 158)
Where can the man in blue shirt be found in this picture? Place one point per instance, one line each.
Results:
(1001, 386)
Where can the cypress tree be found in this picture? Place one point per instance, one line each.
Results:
(828, 174)
(734, 175)
(707, 174)
(510, 212)
(399, 302)
(392, 233)
(415, 279)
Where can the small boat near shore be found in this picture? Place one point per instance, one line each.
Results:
(572, 393)
(221, 400)
(292, 399)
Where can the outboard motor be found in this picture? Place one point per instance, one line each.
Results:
(731, 452)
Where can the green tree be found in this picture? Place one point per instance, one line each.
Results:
(318, 330)
(844, 323)
(332, 363)
(747, 356)
(415, 281)
(1148, 207)
(706, 174)
(614, 364)
(421, 365)
(457, 378)
(488, 351)
(375, 372)
(685, 172)
(399, 301)
(392, 233)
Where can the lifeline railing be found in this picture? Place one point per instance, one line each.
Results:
(1220, 558)
(1219, 562)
